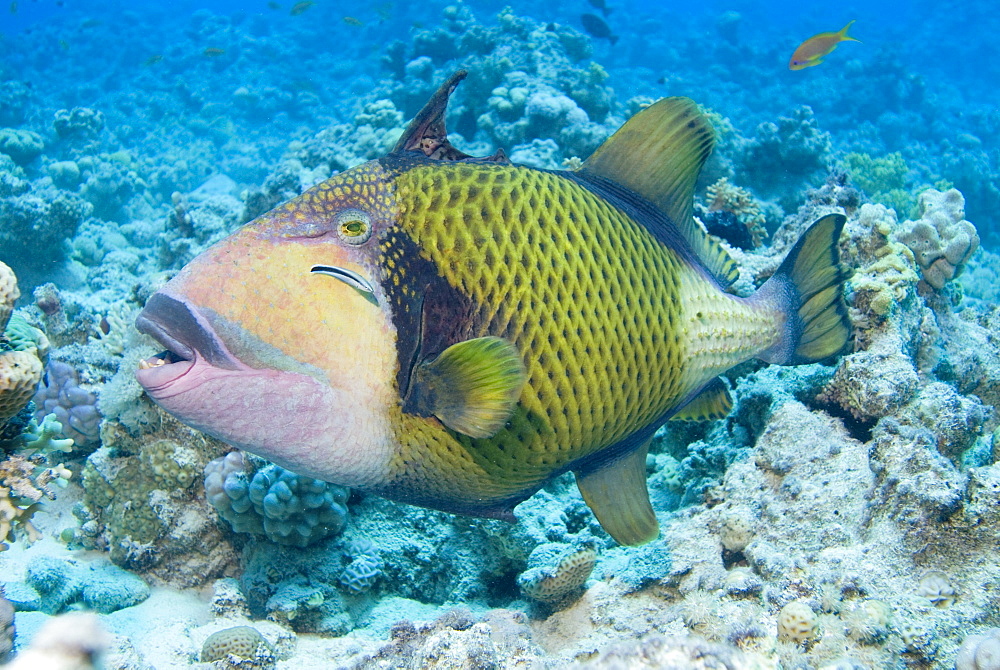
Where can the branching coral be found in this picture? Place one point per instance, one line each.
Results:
(269, 500)
(24, 482)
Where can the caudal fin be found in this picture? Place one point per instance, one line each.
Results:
(809, 286)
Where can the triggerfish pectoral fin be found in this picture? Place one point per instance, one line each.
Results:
(618, 496)
(472, 386)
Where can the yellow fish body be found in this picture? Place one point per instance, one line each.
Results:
(453, 332)
(816, 48)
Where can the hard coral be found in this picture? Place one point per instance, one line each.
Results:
(241, 641)
(556, 572)
(74, 406)
(9, 293)
(20, 373)
(269, 500)
(723, 197)
(980, 652)
(941, 240)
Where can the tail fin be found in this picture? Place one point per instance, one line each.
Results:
(808, 286)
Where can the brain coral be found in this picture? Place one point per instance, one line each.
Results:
(941, 240)
(556, 572)
(288, 508)
(241, 641)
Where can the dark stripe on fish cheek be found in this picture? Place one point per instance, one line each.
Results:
(429, 319)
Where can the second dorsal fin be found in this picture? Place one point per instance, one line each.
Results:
(658, 154)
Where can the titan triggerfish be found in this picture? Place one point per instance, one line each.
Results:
(453, 332)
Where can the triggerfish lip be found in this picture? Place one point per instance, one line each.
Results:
(190, 340)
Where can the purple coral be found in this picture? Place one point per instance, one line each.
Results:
(75, 407)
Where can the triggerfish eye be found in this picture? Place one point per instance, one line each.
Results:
(354, 226)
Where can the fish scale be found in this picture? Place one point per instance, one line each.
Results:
(586, 293)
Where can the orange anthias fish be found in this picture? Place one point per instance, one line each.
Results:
(813, 50)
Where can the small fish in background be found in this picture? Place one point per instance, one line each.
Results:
(813, 50)
(13, 8)
(275, 6)
(300, 7)
(351, 21)
(213, 51)
(600, 4)
(64, 45)
(596, 26)
(152, 60)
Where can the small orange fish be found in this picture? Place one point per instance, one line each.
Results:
(812, 51)
(300, 7)
(214, 51)
(351, 21)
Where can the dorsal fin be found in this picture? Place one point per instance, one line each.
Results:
(658, 153)
(426, 132)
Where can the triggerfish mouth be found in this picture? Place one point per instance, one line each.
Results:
(453, 332)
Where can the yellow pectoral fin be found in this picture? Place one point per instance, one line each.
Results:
(714, 402)
(472, 386)
(618, 496)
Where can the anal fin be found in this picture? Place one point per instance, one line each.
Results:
(714, 402)
(618, 496)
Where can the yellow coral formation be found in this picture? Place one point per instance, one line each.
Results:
(723, 196)
(9, 294)
(20, 373)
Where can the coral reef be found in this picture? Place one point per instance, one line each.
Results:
(732, 213)
(59, 585)
(144, 504)
(74, 406)
(269, 500)
(882, 179)
(556, 572)
(941, 240)
(9, 293)
(980, 652)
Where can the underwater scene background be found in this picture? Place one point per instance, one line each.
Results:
(845, 514)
